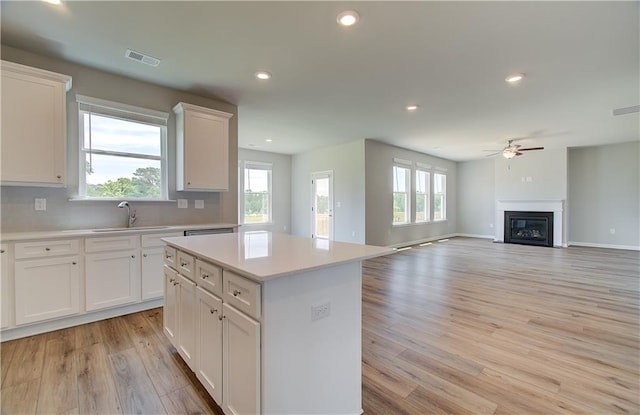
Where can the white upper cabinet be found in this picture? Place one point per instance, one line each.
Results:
(34, 126)
(202, 148)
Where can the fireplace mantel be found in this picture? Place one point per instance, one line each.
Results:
(555, 206)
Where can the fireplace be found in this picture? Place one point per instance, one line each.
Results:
(528, 228)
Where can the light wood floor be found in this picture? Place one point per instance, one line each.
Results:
(460, 327)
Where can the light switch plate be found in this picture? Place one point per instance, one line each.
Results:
(40, 204)
(199, 204)
(183, 203)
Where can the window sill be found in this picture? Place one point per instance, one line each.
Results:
(256, 224)
(111, 200)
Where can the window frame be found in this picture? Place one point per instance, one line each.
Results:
(407, 192)
(124, 112)
(254, 165)
(444, 196)
(426, 194)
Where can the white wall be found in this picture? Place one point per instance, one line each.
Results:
(347, 163)
(476, 198)
(18, 212)
(604, 194)
(280, 188)
(536, 175)
(379, 197)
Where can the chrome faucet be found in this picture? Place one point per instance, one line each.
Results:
(131, 217)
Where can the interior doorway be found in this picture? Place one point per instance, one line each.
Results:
(322, 205)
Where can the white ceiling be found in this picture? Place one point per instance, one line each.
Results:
(332, 84)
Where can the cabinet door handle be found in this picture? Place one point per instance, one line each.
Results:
(167, 256)
(133, 256)
(213, 310)
(144, 255)
(182, 264)
(59, 177)
(47, 249)
(176, 283)
(236, 293)
(74, 263)
(172, 279)
(1, 251)
(220, 317)
(205, 276)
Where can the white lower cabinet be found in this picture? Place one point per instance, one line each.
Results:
(187, 321)
(241, 363)
(220, 343)
(170, 310)
(111, 279)
(209, 343)
(46, 288)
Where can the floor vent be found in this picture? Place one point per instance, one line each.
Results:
(141, 57)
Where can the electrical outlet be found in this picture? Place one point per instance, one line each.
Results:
(40, 204)
(183, 203)
(320, 311)
(612, 231)
(199, 204)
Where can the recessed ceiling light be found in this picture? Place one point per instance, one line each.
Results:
(348, 18)
(268, 140)
(514, 78)
(263, 75)
(56, 2)
(412, 107)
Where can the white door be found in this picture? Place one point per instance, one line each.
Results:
(46, 288)
(112, 278)
(209, 347)
(241, 363)
(322, 205)
(187, 321)
(152, 273)
(170, 310)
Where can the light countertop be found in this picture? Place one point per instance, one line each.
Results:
(261, 256)
(81, 233)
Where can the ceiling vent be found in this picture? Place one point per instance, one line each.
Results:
(626, 110)
(141, 57)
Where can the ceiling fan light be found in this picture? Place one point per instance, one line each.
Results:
(509, 154)
(514, 78)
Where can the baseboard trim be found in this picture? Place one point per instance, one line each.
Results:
(421, 241)
(606, 246)
(76, 320)
(475, 235)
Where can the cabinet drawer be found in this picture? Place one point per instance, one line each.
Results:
(170, 256)
(186, 265)
(40, 249)
(153, 240)
(209, 277)
(242, 293)
(112, 243)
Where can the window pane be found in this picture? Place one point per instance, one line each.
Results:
(112, 134)
(120, 177)
(400, 208)
(256, 207)
(256, 181)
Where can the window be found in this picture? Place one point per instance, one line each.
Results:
(439, 196)
(401, 185)
(122, 151)
(255, 203)
(422, 196)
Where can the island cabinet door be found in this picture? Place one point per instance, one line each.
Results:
(241, 363)
(209, 347)
(187, 321)
(170, 310)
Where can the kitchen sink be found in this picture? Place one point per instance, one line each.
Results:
(140, 228)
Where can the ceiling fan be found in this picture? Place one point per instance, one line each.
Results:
(512, 150)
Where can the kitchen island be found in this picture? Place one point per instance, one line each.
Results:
(270, 323)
